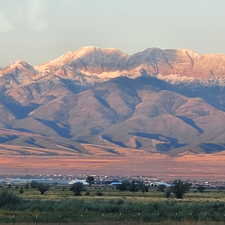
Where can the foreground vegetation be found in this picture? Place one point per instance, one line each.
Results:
(128, 223)
(94, 205)
(61, 205)
(94, 210)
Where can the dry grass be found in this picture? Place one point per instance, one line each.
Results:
(131, 197)
(128, 223)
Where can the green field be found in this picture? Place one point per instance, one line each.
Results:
(113, 207)
(129, 223)
(109, 193)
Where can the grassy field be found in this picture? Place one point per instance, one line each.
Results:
(108, 194)
(131, 223)
(60, 206)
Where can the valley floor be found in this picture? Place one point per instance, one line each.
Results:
(127, 162)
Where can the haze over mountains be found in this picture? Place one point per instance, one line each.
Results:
(166, 101)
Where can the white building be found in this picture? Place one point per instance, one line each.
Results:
(84, 182)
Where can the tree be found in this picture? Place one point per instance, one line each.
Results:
(77, 188)
(134, 186)
(168, 192)
(21, 190)
(179, 188)
(27, 186)
(143, 187)
(124, 186)
(161, 188)
(34, 184)
(43, 188)
(201, 188)
(90, 180)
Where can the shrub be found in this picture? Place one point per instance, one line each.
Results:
(8, 198)
(179, 188)
(168, 192)
(90, 180)
(34, 184)
(144, 188)
(43, 188)
(124, 186)
(77, 188)
(63, 189)
(98, 193)
(161, 188)
(21, 190)
(201, 188)
(133, 186)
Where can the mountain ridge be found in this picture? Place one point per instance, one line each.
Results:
(92, 64)
(168, 101)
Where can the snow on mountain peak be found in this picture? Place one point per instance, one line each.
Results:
(82, 52)
(90, 49)
(191, 53)
(18, 65)
(100, 64)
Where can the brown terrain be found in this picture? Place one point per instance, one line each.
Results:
(130, 162)
(157, 112)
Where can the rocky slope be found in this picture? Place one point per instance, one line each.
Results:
(169, 101)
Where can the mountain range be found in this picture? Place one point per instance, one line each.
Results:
(168, 101)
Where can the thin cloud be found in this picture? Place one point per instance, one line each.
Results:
(28, 14)
(5, 25)
(37, 10)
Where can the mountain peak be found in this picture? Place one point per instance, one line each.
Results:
(90, 49)
(71, 56)
(159, 52)
(85, 50)
(18, 65)
(188, 52)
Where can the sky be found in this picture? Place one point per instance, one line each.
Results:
(40, 30)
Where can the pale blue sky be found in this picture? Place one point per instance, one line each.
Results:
(40, 30)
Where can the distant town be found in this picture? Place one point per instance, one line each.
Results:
(65, 180)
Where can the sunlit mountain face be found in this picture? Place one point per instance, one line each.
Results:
(166, 101)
